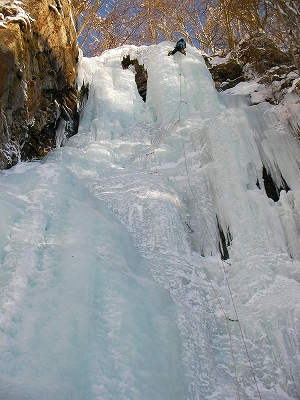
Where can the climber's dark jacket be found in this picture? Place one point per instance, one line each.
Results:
(180, 46)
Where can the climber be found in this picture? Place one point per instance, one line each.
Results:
(180, 46)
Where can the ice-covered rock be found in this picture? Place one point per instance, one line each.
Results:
(38, 57)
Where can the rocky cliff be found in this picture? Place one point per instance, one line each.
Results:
(38, 56)
(257, 58)
(264, 72)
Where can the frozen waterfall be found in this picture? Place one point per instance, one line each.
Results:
(145, 259)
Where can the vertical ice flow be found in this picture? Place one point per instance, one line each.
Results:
(112, 284)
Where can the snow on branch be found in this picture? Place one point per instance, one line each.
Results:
(12, 12)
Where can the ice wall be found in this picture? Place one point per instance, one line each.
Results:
(80, 316)
(112, 284)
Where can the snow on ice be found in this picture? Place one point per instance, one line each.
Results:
(112, 283)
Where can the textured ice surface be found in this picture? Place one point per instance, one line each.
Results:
(112, 285)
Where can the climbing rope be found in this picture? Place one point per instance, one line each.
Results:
(206, 274)
(164, 135)
(190, 230)
(223, 267)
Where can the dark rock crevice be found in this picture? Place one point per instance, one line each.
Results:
(225, 240)
(141, 76)
(271, 188)
(41, 136)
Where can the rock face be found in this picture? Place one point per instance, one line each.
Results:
(230, 72)
(38, 56)
(262, 53)
(256, 58)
